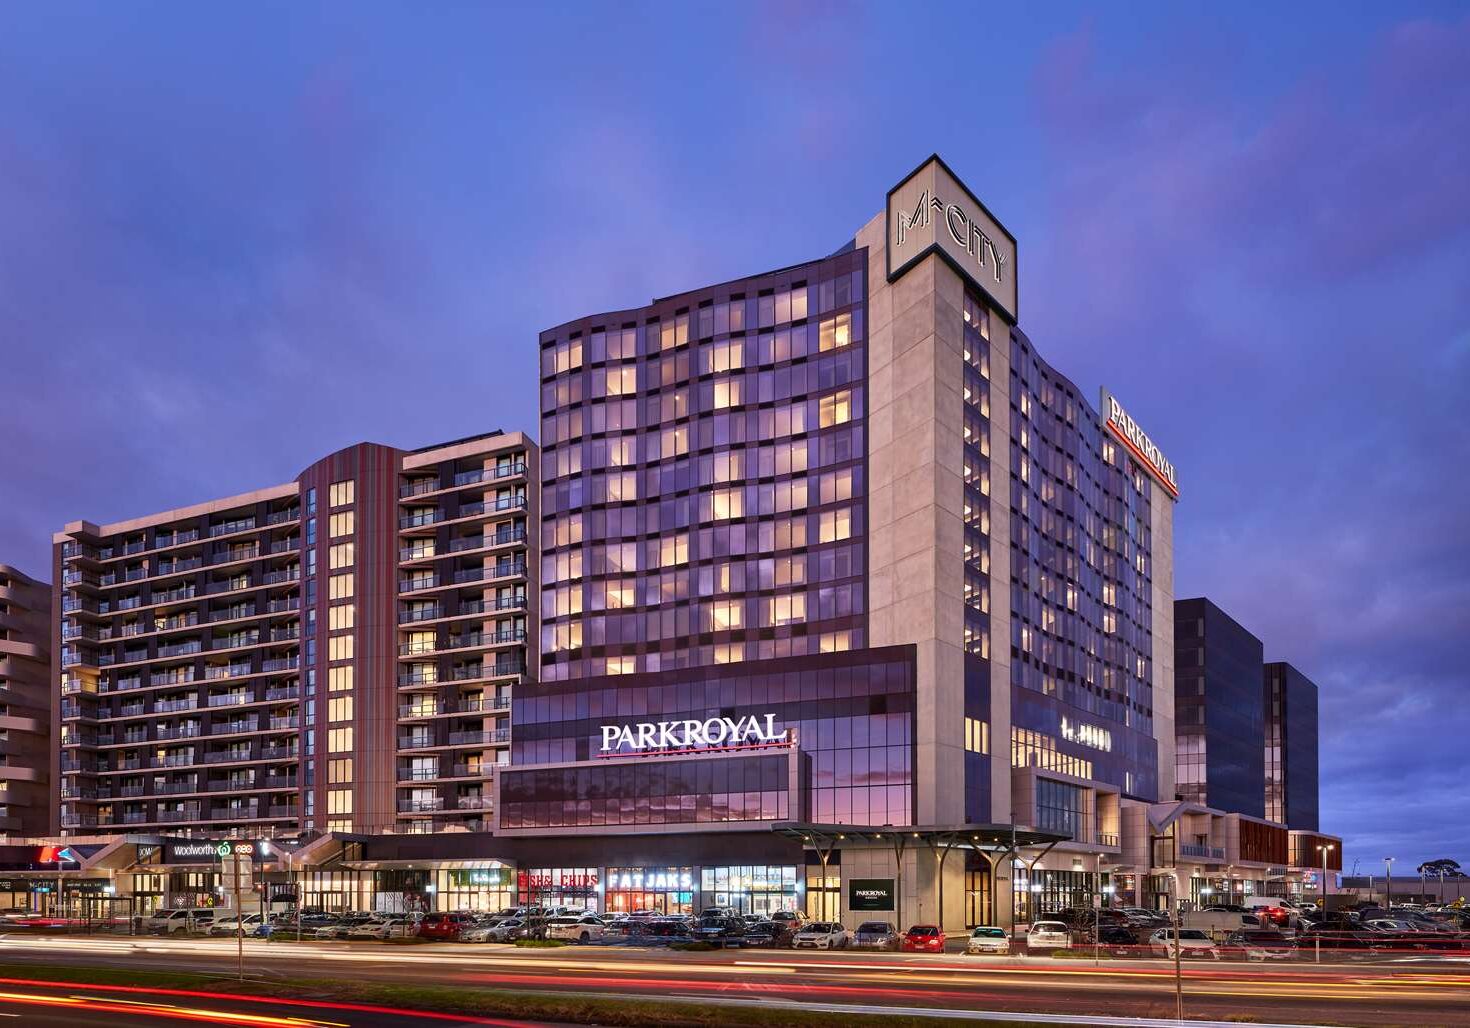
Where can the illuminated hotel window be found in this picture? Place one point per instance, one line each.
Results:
(341, 556)
(340, 494)
(342, 524)
(977, 735)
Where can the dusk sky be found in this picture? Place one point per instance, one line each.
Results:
(1251, 222)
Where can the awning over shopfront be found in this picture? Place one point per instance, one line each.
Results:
(413, 865)
(976, 837)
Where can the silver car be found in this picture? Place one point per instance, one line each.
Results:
(875, 935)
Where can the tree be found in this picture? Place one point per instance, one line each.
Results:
(1444, 867)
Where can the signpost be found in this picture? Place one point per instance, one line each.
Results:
(235, 859)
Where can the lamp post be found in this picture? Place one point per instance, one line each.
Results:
(1324, 849)
(1388, 883)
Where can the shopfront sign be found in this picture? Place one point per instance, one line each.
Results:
(481, 878)
(692, 735)
(557, 879)
(651, 880)
(1126, 430)
(204, 850)
(931, 211)
(870, 894)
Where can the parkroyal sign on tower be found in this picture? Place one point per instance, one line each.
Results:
(1117, 421)
(692, 735)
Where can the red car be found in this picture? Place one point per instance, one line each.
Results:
(923, 938)
(443, 927)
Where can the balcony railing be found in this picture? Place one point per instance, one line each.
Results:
(230, 699)
(228, 527)
(474, 802)
(417, 774)
(415, 806)
(421, 520)
(1189, 849)
(484, 738)
(280, 517)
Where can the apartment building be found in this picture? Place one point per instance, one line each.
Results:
(25, 703)
(336, 652)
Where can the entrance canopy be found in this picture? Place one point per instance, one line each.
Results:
(974, 837)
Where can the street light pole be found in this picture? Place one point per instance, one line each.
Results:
(1178, 956)
(1388, 883)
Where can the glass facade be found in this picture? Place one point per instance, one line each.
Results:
(655, 792)
(1081, 589)
(852, 714)
(703, 477)
(1218, 711)
(1291, 747)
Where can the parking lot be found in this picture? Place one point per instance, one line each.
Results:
(1258, 934)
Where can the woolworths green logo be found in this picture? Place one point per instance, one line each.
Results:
(223, 849)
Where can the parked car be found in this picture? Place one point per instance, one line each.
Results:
(392, 928)
(443, 927)
(721, 927)
(923, 938)
(876, 935)
(988, 939)
(232, 925)
(509, 929)
(1264, 944)
(1192, 942)
(478, 930)
(584, 929)
(1048, 935)
(1118, 939)
(792, 918)
(768, 935)
(173, 920)
(821, 935)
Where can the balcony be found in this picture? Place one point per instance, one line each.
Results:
(283, 576)
(180, 649)
(284, 724)
(420, 520)
(230, 699)
(279, 782)
(179, 567)
(474, 803)
(283, 812)
(278, 753)
(234, 813)
(228, 671)
(420, 805)
(277, 695)
(230, 784)
(234, 554)
(488, 737)
(280, 664)
(179, 815)
(230, 527)
(418, 774)
(281, 517)
(415, 742)
(1199, 852)
(477, 671)
(227, 756)
(164, 542)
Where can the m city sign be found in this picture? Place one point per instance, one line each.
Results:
(691, 735)
(931, 211)
(1126, 430)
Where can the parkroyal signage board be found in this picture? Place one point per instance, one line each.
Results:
(870, 894)
(691, 735)
(931, 211)
(1123, 428)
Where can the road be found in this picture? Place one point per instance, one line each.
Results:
(1408, 993)
(80, 1006)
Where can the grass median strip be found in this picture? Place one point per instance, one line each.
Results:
(472, 1001)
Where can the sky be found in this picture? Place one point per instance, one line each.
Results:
(1251, 221)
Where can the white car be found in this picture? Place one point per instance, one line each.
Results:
(231, 926)
(1193, 942)
(171, 920)
(584, 929)
(1048, 935)
(394, 928)
(821, 935)
(988, 939)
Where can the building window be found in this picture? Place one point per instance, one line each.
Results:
(340, 587)
(342, 524)
(836, 409)
(340, 494)
(977, 735)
